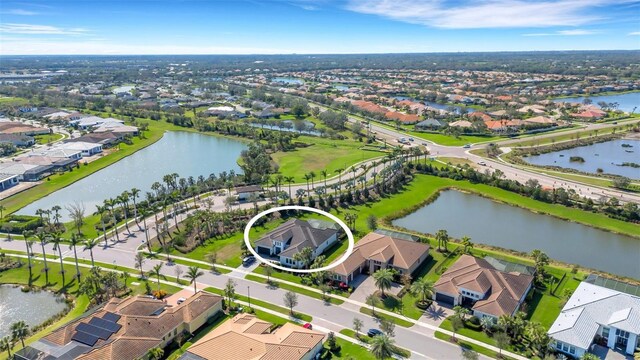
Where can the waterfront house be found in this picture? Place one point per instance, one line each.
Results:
(7, 181)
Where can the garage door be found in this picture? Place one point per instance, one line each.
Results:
(263, 250)
(444, 298)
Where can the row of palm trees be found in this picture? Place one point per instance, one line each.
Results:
(19, 331)
(193, 272)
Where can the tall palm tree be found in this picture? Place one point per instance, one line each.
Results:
(307, 177)
(289, 180)
(56, 239)
(135, 194)
(339, 171)
(353, 171)
(443, 238)
(466, 243)
(101, 210)
(75, 240)
(6, 344)
(89, 244)
(2, 209)
(381, 347)
(157, 272)
(423, 288)
(19, 331)
(144, 212)
(312, 175)
(139, 263)
(324, 175)
(192, 274)
(27, 234)
(56, 214)
(110, 203)
(383, 279)
(43, 238)
(123, 199)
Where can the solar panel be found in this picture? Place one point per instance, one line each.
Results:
(109, 316)
(111, 326)
(83, 337)
(94, 330)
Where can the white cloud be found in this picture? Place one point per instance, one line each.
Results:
(574, 32)
(483, 14)
(32, 29)
(21, 12)
(635, 33)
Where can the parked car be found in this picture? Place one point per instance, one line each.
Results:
(466, 146)
(374, 332)
(248, 260)
(308, 326)
(482, 163)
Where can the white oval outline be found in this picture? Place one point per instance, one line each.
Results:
(306, 208)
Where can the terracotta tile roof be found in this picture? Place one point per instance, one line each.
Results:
(233, 340)
(476, 274)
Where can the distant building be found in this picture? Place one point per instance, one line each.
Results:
(17, 140)
(7, 181)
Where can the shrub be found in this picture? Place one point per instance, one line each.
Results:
(159, 294)
(17, 224)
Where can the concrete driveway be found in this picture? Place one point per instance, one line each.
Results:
(364, 286)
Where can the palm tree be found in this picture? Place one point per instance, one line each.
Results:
(155, 353)
(324, 175)
(289, 180)
(43, 238)
(139, 262)
(56, 239)
(372, 300)
(312, 175)
(110, 203)
(383, 280)
(339, 171)
(423, 288)
(75, 240)
(6, 344)
(56, 214)
(123, 199)
(466, 242)
(381, 347)
(157, 272)
(19, 331)
(192, 274)
(305, 256)
(443, 238)
(307, 177)
(101, 210)
(353, 171)
(89, 244)
(27, 234)
(144, 212)
(2, 209)
(135, 193)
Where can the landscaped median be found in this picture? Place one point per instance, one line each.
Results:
(303, 290)
(403, 353)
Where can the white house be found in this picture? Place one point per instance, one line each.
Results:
(291, 237)
(597, 314)
(86, 148)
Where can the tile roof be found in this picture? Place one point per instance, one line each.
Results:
(476, 274)
(299, 234)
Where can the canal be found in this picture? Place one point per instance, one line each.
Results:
(492, 223)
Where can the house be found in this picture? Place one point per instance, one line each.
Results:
(429, 124)
(57, 163)
(17, 140)
(403, 118)
(106, 139)
(461, 124)
(26, 172)
(18, 128)
(597, 314)
(124, 329)
(86, 148)
(291, 237)
(245, 193)
(7, 181)
(474, 282)
(58, 152)
(245, 337)
(379, 251)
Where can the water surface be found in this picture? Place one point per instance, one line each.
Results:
(34, 307)
(626, 101)
(184, 153)
(491, 223)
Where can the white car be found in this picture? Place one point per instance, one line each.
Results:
(482, 163)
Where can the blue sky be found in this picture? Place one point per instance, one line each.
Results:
(322, 26)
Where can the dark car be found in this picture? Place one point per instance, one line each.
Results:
(248, 260)
(374, 332)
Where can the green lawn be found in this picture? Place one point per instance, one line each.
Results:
(322, 154)
(467, 345)
(395, 320)
(49, 138)
(448, 140)
(293, 288)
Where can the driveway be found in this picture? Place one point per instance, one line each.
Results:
(436, 314)
(365, 285)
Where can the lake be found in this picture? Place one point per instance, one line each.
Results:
(288, 81)
(626, 101)
(606, 156)
(123, 89)
(34, 307)
(491, 223)
(432, 104)
(184, 153)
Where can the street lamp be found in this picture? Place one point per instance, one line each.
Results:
(249, 296)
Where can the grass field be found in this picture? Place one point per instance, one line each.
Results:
(448, 140)
(322, 154)
(49, 138)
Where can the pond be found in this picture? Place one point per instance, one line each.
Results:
(184, 153)
(432, 104)
(288, 81)
(608, 156)
(491, 223)
(626, 102)
(309, 126)
(34, 307)
(123, 89)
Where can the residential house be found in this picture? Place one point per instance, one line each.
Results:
(429, 124)
(595, 314)
(489, 292)
(86, 148)
(25, 172)
(124, 329)
(17, 140)
(378, 251)
(461, 124)
(291, 237)
(245, 193)
(245, 337)
(18, 128)
(106, 139)
(7, 181)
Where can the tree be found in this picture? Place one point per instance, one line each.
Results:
(76, 239)
(381, 347)
(487, 323)
(388, 327)
(2, 209)
(372, 222)
(268, 271)
(466, 243)
(192, 274)
(470, 355)
(6, 344)
(290, 300)
(89, 244)
(305, 256)
(140, 260)
(178, 270)
(212, 258)
(541, 260)
(331, 342)
(621, 182)
(422, 288)
(27, 234)
(155, 353)
(19, 331)
(461, 312)
(76, 213)
(357, 326)
(374, 301)
(456, 324)
(43, 238)
(383, 279)
(157, 272)
(101, 210)
(56, 239)
(443, 239)
(502, 340)
(589, 356)
(230, 290)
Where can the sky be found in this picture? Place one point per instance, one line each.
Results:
(52, 27)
